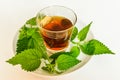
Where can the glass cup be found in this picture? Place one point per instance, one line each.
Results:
(56, 24)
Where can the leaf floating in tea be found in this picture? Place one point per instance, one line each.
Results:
(53, 38)
(45, 20)
(66, 23)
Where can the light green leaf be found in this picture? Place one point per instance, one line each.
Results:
(32, 21)
(75, 51)
(83, 33)
(39, 44)
(30, 31)
(28, 59)
(23, 32)
(95, 47)
(27, 31)
(65, 62)
(74, 33)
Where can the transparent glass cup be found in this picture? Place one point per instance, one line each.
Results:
(56, 24)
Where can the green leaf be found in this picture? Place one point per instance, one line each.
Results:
(74, 33)
(28, 59)
(27, 31)
(65, 62)
(22, 44)
(31, 39)
(56, 55)
(23, 32)
(75, 51)
(30, 31)
(88, 48)
(95, 47)
(26, 39)
(39, 44)
(32, 21)
(83, 33)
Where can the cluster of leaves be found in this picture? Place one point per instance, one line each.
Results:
(31, 49)
(91, 47)
(62, 61)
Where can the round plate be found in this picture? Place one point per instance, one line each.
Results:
(83, 57)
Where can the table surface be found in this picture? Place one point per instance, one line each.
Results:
(105, 15)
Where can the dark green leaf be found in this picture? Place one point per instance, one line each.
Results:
(56, 55)
(22, 44)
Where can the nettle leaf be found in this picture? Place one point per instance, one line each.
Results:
(28, 59)
(23, 32)
(75, 51)
(32, 39)
(88, 48)
(83, 33)
(39, 44)
(30, 31)
(65, 62)
(74, 33)
(31, 48)
(22, 44)
(32, 21)
(56, 55)
(26, 39)
(95, 47)
(27, 31)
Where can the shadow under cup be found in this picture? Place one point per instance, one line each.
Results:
(56, 25)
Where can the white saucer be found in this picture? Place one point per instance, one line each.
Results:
(83, 57)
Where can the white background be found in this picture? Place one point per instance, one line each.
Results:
(105, 15)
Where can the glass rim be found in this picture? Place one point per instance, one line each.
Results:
(62, 7)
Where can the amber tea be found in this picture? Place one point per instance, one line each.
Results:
(56, 31)
(56, 25)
